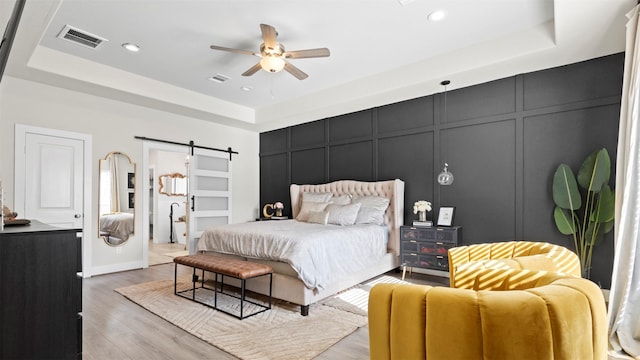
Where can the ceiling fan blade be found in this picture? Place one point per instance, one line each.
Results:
(310, 53)
(295, 71)
(269, 36)
(254, 69)
(238, 51)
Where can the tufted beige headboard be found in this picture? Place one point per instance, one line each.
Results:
(391, 189)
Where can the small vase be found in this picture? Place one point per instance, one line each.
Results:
(278, 212)
(422, 215)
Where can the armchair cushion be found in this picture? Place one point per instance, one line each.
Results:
(509, 255)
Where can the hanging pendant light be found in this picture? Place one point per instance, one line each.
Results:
(445, 177)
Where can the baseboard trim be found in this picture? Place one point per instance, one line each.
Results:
(107, 269)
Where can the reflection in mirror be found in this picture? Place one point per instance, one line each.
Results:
(173, 184)
(116, 198)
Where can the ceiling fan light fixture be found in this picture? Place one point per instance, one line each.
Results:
(272, 63)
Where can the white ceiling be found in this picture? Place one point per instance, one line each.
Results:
(381, 50)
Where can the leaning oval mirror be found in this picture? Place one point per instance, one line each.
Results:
(116, 198)
(173, 184)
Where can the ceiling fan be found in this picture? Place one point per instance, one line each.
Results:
(273, 56)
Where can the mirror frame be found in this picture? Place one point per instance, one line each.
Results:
(175, 175)
(125, 179)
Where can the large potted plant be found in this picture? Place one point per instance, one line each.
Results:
(586, 215)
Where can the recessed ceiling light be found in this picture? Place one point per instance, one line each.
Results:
(437, 15)
(131, 47)
(246, 88)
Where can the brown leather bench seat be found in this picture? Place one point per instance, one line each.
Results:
(238, 269)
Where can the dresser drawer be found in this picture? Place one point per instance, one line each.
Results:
(440, 262)
(435, 247)
(415, 233)
(429, 234)
(446, 235)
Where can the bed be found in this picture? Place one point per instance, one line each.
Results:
(294, 248)
(116, 227)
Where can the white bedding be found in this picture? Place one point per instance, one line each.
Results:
(118, 225)
(318, 253)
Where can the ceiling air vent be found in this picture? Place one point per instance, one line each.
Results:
(219, 78)
(81, 37)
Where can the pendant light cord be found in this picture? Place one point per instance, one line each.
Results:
(445, 152)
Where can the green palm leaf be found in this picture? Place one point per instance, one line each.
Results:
(565, 189)
(564, 223)
(595, 171)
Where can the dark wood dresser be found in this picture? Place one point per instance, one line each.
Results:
(427, 247)
(40, 292)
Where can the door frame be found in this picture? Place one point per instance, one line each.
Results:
(19, 188)
(147, 147)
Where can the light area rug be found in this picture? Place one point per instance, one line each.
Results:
(279, 333)
(177, 253)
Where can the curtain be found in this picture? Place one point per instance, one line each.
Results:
(624, 300)
(115, 183)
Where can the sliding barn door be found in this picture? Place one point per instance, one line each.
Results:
(209, 193)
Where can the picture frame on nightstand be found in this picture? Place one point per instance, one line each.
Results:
(445, 215)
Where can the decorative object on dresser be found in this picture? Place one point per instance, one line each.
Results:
(40, 292)
(421, 207)
(274, 211)
(445, 215)
(426, 248)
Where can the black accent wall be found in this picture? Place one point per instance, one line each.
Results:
(503, 141)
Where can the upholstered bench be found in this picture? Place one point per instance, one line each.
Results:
(238, 269)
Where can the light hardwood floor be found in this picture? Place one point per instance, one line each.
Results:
(157, 252)
(116, 328)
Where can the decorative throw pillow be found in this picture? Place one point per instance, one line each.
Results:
(343, 214)
(308, 206)
(344, 199)
(316, 196)
(372, 210)
(318, 217)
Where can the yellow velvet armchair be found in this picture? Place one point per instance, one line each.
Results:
(511, 300)
(465, 261)
(520, 314)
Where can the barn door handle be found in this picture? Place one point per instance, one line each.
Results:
(193, 203)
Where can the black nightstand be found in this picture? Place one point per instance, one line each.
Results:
(427, 247)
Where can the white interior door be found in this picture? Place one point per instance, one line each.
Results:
(209, 192)
(54, 180)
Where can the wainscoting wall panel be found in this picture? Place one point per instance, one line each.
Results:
(308, 166)
(503, 141)
(483, 159)
(312, 134)
(409, 157)
(410, 114)
(351, 161)
(488, 99)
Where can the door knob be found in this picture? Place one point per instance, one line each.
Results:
(77, 216)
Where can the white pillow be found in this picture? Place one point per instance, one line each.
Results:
(316, 196)
(372, 210)
(308, 206)
(318, 217)
(343, 214)
(344, 199)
